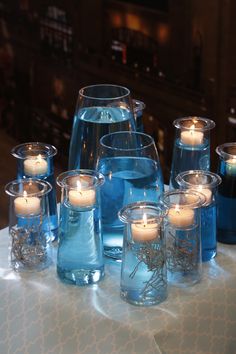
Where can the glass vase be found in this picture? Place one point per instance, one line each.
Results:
(183, 237)
(207, 183)
(226, 200)
(35, 160)
(130, 164)
(28, 215)
(143, 270)
(80, 248)
(100, 110)
(191, 149)
(139, 107)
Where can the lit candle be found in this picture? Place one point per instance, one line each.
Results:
(34, 166)
(27, 205)
(144, 231)
(231, 166)
(191, 137)
(82, 197)
(181, 217)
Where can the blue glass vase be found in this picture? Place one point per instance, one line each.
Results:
(130, 164)
(191, 149)
(226, 200)
(143, 270)
(206, 183)
(28, 212)
(35, 160)
(100, 110)
(80, 248)
(183, 237)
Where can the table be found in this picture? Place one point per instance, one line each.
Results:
(41, 315)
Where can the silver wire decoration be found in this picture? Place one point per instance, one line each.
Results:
(182, 253)
(154, 259)
(28, 246)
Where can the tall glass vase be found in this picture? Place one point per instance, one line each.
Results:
(226, 200)
(35, 160)
(130, 164)
(80, 248)
(191, 149)
(100, 110)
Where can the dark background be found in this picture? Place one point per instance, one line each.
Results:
(178, 56)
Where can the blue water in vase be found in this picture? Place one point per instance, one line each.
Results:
(80, 250)
(189, 157)
(127, 180)
(226, 207)
(90, 124)
(208, 232)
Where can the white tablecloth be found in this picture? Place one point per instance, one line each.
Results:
(41, 315)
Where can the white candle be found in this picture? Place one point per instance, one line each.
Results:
(181, 217)
(144, 231)
(82, 197)
(26, 206)
(34, 166)
(206, 192)
(231, 166)
(191, 137)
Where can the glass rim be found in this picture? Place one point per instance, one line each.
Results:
(49, 150)
(209, 123)
(201, 199)
(215, 179)
(223, 154)
(152, 206)
(47, 187)
(64, 176)
(82, 94)
(127, 133)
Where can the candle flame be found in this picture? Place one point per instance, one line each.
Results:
(24, 194)
(192, 128)
(78, 185)
(144, 219)
(177, 209)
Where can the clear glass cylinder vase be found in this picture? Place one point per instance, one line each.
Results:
(28, 224)
(226, 199)
(35, 160)
(143, 270)
(100, 109)
(191, 150)
(183, 236)
(80, 249)
(207, 183)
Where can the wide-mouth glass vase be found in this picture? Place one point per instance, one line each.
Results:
(226, 199)
(191, 150)
(35, 160)
(100, 109)
(130, 164)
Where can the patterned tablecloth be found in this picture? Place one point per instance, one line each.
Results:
(41, 315)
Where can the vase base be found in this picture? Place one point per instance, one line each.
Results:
(81, 276)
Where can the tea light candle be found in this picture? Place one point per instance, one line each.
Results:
(82, 197)
(181, 217)
(231, 166)
(144, 231)
(34, 166)
(191, 137)
(206, 192)
(27, 205)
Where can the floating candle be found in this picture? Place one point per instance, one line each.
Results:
(82, 197)
(206, 192)
(27, 205)
(144, 231)
(191, 137)
(181, 217)
(34, 166)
